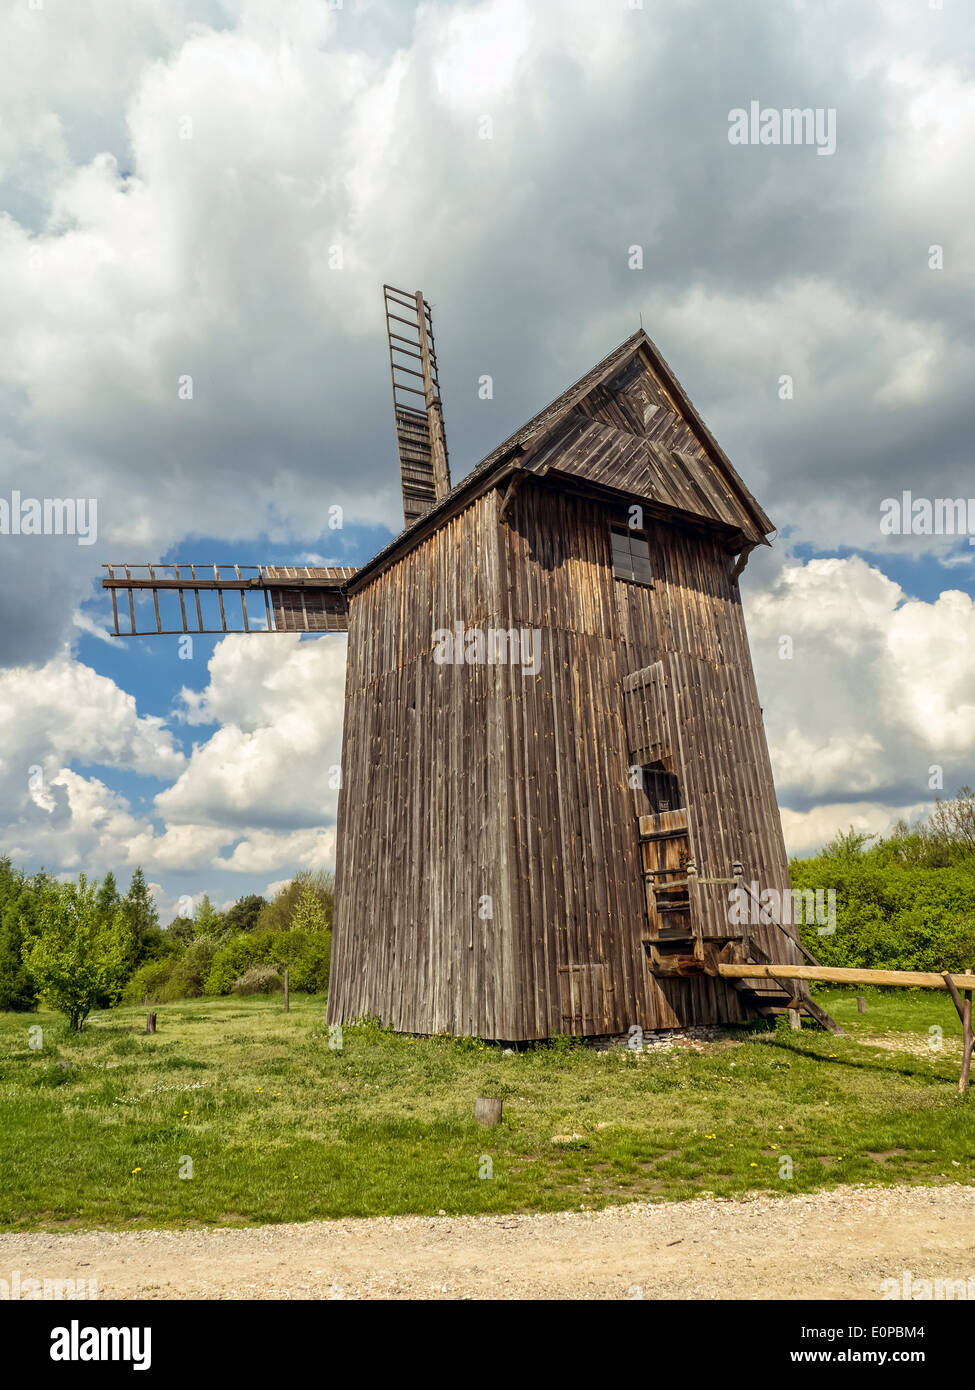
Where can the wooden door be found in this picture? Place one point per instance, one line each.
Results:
(672, 937)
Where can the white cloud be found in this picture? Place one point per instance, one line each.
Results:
(879, 689)
(807, 831)
(66, 710)
(279, 702)
(252, 798)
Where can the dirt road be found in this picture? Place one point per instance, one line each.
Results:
(838, 1244)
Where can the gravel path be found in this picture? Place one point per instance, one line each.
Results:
(837, 1244)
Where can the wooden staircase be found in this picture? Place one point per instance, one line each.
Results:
(677, 945)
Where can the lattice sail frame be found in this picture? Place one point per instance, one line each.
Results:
(290, 598)
(420, 438)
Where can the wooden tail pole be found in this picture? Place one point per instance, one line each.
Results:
(956, 984)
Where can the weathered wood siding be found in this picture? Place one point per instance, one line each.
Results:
(468, 782)
(425, 806)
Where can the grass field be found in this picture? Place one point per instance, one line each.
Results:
(279, 1127)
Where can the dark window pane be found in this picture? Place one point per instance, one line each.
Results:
(631, 556)
(662, 789)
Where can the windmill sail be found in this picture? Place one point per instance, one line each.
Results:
(420, 439)
(173, 599)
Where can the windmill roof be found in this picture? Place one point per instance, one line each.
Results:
(673, 475)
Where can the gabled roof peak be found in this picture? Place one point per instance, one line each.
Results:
(531, 436)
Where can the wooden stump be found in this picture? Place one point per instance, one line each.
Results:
(487, 1111)
(150, 1023)
(861, 1004)
(287, 992)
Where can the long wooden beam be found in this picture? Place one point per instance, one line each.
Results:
(840, 975)
(259, 582)
(956, 986)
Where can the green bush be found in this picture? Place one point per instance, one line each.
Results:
(150, 983)
(260, 979)
(307, 955)
(897, 905)
(190, 970)
(173, 976)
(75, 956)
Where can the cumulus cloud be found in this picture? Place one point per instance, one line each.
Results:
(275, 756)
(866, 690)
(258, 795)
(807, 831)
(180, 187)
(216, 190)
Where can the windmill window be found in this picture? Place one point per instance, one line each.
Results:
(662, 788)
(631, 556)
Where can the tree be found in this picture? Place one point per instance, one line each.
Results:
(141, 917)
(278, 915)
(244, 914)
(207, 921)
(16, 989)
(309, 914)
(108, 898)
(77, 958)
(952, 822)
(181, 930)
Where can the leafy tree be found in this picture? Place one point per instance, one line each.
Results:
(16, 989)
(953, 822)
(244, 914)
(77, 958)
(279, 914)
(207, 921)
(181, 930)
(108, 898)
(310, 914)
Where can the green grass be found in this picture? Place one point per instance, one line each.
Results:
(281, 1128)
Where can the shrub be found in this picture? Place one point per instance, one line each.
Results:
(150, 983)
(173, 977)
(307, 955)
(899, 904)
(190, 970)
(259, 979)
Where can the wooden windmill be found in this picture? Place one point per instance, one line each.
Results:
(554, 766)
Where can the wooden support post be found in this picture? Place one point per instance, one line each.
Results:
(287, 992)
(861, 1004)
(964, 1009)
(795, 1019)
(823, 1018)
(487, 1111)
(150, 1023)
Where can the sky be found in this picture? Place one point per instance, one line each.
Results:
(201, 201)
